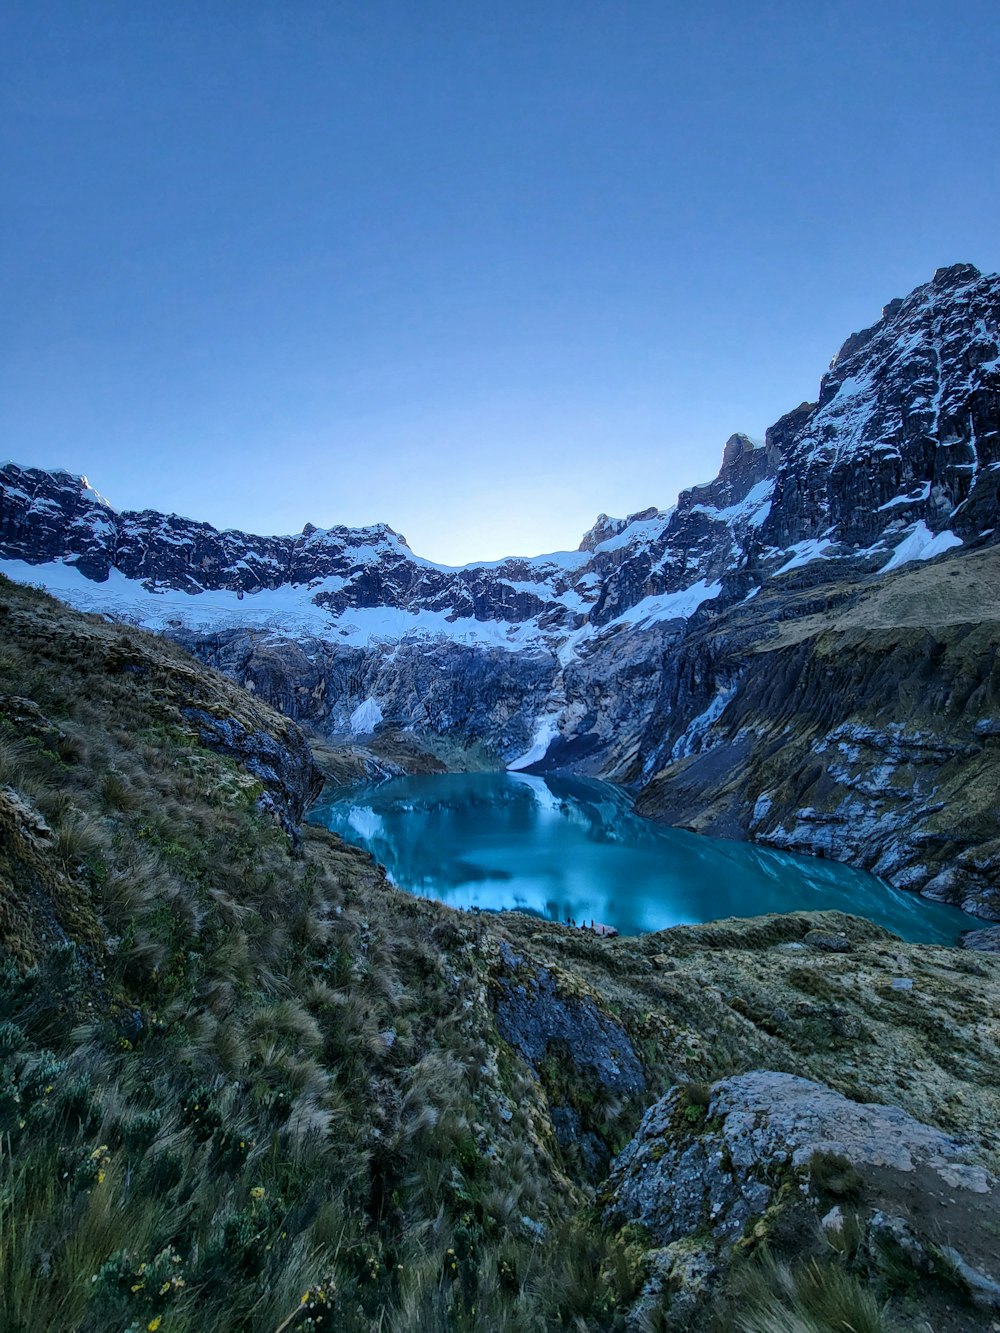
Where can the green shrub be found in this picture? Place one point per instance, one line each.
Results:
(834, 1175)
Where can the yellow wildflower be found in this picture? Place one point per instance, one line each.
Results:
(257, 1193)
(154, 1323)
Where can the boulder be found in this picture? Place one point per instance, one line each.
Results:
(732, 1160)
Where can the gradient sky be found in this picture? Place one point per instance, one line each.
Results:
(476, 270)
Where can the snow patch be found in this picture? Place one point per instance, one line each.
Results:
(804, 552)
(643, 530)
(366, 718)
(692, 739)
(546, 730)
(678, 605)
(753, 508)
(922, 494)
(921, 544)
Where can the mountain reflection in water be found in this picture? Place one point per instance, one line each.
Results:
(566, 847)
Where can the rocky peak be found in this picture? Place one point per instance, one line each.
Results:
(955, 275)
(737, 447)
(604, 528)
(906, 430)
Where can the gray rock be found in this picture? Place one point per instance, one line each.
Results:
(540, 1022)
(681, 1174)
(827, 941)
(984, 1290)
(284, 768)
(983, 941)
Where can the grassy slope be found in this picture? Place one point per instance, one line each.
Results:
(233, 1078)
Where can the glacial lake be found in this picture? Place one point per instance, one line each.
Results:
(568, 847)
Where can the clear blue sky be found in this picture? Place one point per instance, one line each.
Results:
(479, 270)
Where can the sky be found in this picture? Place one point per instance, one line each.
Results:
(479, 271)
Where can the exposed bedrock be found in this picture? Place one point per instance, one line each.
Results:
(852, 733)
(598, 703)
(444, 689)
(767, 1156)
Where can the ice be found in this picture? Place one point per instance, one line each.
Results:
(287, 610)
(366, 718)
(546, 730)
(921, 544)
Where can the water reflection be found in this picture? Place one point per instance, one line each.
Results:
(566, 847)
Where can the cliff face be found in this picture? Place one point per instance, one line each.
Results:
(853, 720)
(906, 426)
(705, 653)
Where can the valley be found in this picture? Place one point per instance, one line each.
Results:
(250, 1081)
(800, 652)
(250, 1085)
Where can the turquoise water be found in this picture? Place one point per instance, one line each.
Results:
(573, 847)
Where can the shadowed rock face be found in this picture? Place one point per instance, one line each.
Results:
(765, 1153)
(759, 1125)
(585, 1059)
(640, 657)
(284, 767)
(534, 1017)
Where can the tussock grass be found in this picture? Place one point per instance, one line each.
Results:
(247, 1091)
(810, 1297)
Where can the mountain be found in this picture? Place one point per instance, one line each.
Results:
(800, 651)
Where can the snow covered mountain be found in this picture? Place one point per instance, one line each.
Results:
(631, 656)
(897, 459)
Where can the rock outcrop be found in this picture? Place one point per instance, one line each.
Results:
(721, 1162)
(583, 1056)
(766, 1155)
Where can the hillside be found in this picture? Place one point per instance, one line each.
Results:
(247, 1085)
